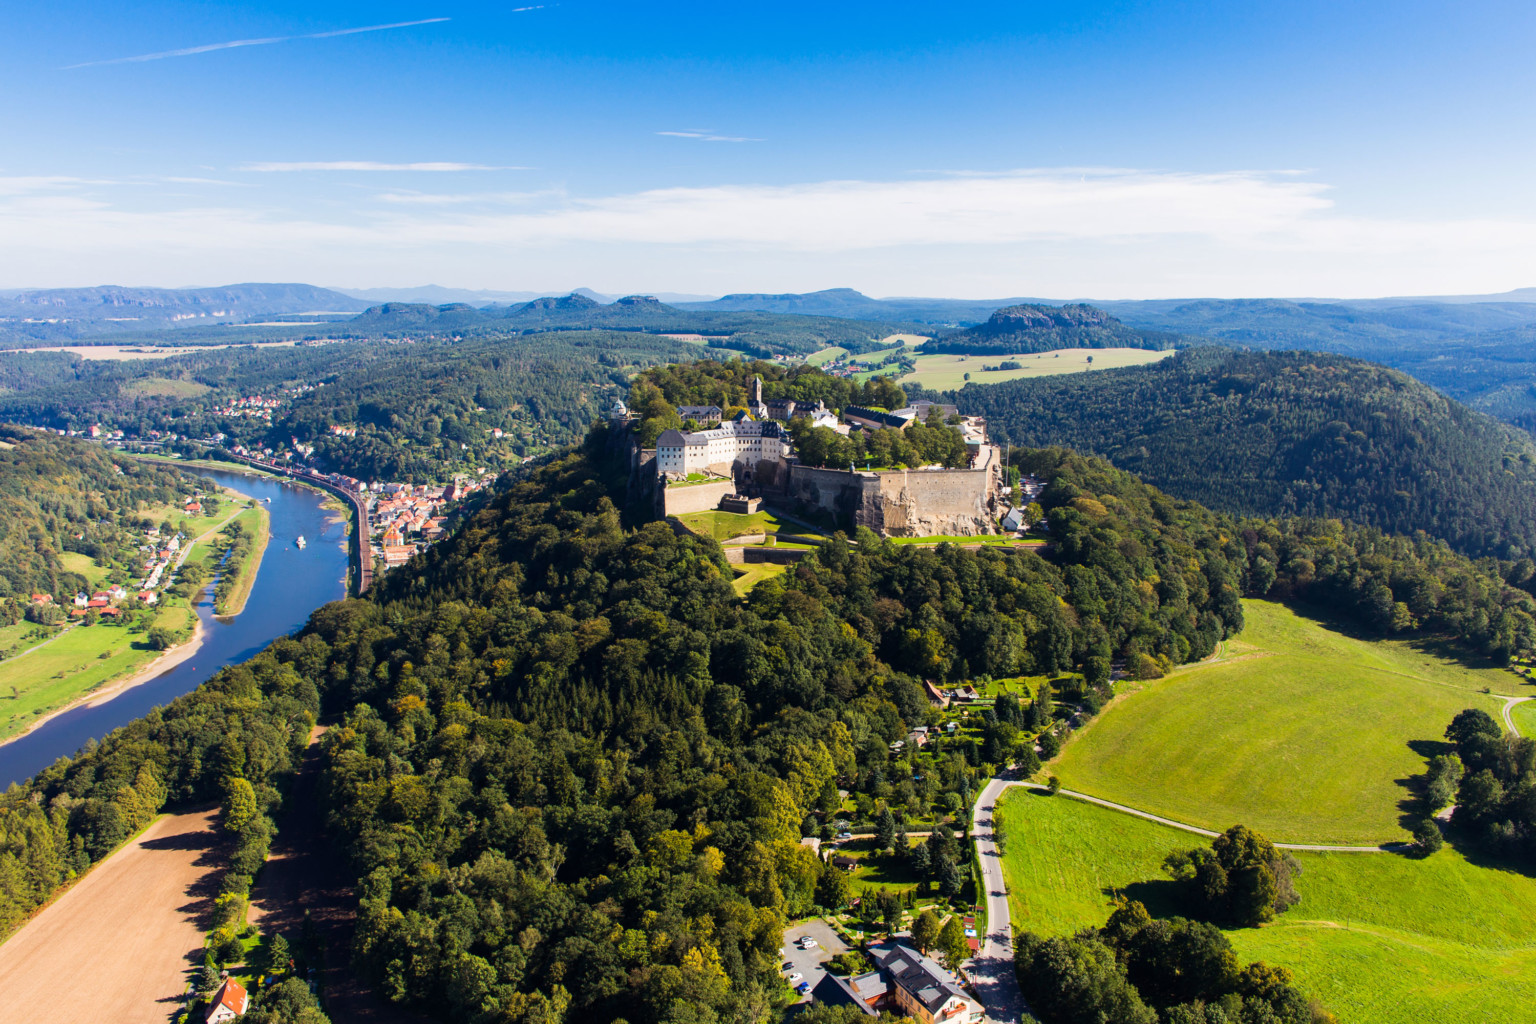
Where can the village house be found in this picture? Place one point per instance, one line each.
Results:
(906, 983)
(229, 1002)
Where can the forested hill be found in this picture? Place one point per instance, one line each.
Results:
(60, 494)
(1036, 328)
(757, 333)
(572, 769)
(1290, 433)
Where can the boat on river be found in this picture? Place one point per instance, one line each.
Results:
(300, 543)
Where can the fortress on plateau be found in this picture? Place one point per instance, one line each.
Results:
(752, 456)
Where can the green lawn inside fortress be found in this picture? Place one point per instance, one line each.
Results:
(1378, 937)
(1299, 731)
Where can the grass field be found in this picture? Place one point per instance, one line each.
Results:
(162, 387)
(1302, 732)
(947, 372)
(998, 541)
(725, 525)
(80, 660)
(823, 356)
(1377, 937)
(1524, 717)
(749, 576)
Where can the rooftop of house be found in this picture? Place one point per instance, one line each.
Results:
(920, 976)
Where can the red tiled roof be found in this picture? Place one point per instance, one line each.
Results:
(232, 994)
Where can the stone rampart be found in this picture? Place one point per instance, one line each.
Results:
(680, 498)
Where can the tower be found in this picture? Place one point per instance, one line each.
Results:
(757, 391)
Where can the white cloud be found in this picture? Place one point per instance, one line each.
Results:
(1062, 232)
(707, 135)
(235, 44)
(368, 165)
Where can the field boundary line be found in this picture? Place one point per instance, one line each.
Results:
(1197, 830)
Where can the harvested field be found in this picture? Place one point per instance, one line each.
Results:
(118, 945)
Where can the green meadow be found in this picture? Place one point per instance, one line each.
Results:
(1377, 937)
(1301, 731)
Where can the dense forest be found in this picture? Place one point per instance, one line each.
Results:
(1300, 434)
(60, 494)
(571, 768)
(1035, 328)
(422, 410)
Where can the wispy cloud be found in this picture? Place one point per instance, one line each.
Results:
(369, 165)
(235, 44)
(707, 135)
(1052, 231)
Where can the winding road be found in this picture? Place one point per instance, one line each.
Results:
(1509, 703)
(992, 969)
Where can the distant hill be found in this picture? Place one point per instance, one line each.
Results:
(56, 314)
(760, 334)
(1038, 328)
(1295, 433)
(846, 302)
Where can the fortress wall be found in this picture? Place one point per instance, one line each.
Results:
(694, 497)
(832, 490)
(926, 503)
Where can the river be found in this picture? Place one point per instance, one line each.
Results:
(289, 585)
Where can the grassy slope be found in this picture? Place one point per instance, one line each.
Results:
(1377, 937)
(1301, 732)
(947, 372)
(725, 525)
(750, 576)
(1524, 716)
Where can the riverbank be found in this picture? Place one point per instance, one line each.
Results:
(248, 565)
(110, 688)
(84, 666)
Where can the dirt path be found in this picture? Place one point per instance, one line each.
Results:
(307, 879)
(117, 946)
(1509, 704)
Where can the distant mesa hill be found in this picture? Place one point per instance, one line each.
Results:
(846, 302)
(1289, 433)
(1038, 328)
(756, 333)
(230, 302)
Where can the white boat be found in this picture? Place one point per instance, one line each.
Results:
(300, 542)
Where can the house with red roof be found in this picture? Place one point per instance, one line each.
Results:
(229, 1002)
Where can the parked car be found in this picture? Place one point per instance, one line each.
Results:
(806, 942)
(787, 965)
(803, 987)
(795, 977)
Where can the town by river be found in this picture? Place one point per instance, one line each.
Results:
(290, 584)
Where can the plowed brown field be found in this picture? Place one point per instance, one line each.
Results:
(117, 946)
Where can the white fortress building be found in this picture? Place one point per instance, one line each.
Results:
(719, 449)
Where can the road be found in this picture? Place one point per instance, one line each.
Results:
(1509, 703)
(119, 943)
(992, 969)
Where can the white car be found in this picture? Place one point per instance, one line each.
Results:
(806, 942)
(795, 977)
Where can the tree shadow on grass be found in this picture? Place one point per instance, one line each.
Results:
(1161, 896)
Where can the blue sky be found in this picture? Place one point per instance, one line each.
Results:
(1059, 149)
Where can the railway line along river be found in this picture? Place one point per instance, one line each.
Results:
(289, 585)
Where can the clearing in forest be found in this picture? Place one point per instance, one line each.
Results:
(117, 946)
(1310, 738)
(947, 371)
(1377, 937)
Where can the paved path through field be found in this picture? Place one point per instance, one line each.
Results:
(118, 944)
(992, 969)
(1509, 704)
